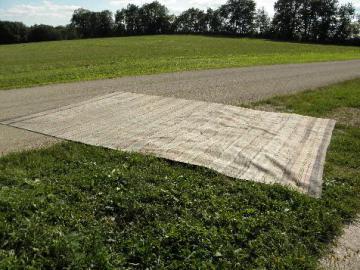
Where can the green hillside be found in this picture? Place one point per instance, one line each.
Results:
(32, 64)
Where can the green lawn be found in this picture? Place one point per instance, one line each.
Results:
(64, 61)
(83, 207)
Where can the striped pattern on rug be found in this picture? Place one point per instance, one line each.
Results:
(265, 147)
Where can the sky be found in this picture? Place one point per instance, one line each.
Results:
(58, 12)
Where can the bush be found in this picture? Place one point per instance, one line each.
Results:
(43, 33)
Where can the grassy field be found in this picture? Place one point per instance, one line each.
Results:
(78, 206)
(64, 61)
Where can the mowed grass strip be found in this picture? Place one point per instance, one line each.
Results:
(81, 207)
(33, 64)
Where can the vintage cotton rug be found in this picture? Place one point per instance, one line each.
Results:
(246, 144)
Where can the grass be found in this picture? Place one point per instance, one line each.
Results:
(24, 65)
(83, 207)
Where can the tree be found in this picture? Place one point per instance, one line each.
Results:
(286, 22)
(262, 23)
(357, 27)
(345, 27)
(213, 21)
(239, 16)
(93, 24)
(120, 27)
(81, 21)
(12, 32)
(68, 32)
(324, 20)
(43, 33)
(305, 19)
(104, 24)
(154, 18)
(192, 20)
(306, 16)
(132, 19)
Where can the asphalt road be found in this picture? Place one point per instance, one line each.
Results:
(229, 86)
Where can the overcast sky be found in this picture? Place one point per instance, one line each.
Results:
(58, 12)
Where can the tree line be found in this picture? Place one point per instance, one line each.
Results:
(298, 20)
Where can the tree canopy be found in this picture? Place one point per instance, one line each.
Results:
(300, 20)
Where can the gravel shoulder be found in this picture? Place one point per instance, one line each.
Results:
(346, 254)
